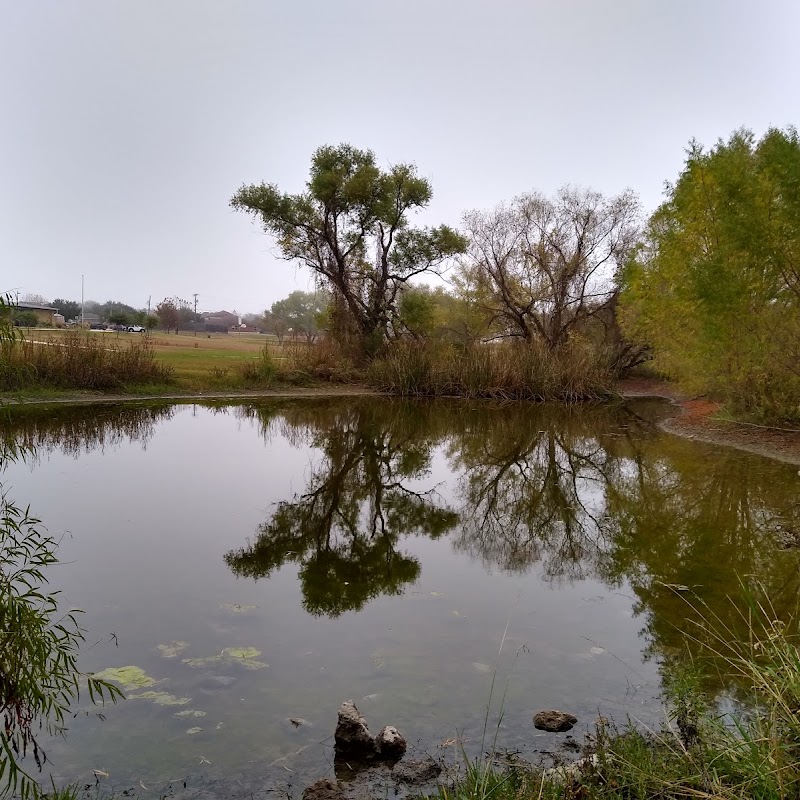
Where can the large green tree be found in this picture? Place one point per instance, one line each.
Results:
(351, 227)
(716, 287)
(69, 308)
(302, 313)
(169, 314)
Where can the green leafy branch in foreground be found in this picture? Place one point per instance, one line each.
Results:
(39, 676)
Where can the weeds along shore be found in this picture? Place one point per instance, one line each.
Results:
(512, 371)
(750, 748)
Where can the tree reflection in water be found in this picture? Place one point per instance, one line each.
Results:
(690, 529)
(76, 429)
(345, 529)
(580, 493)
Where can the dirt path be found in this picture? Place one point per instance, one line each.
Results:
(697, 419)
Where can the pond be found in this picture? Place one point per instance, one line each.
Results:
(260, 563)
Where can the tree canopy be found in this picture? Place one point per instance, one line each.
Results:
(715, 288)
(351, 228)
(302, 313)
(71, 309)
(169, 315)
(542, 266)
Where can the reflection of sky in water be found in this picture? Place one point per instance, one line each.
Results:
(144, 535)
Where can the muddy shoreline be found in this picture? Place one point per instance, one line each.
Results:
(696, 418)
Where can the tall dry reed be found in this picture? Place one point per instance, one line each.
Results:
(79, 361)
(510, 371)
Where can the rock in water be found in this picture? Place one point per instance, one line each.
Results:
(391, 742)
(352, 734)
(554, 721)
(323, 790)
(416, 772)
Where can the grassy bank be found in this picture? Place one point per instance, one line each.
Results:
(193, 363)
(745, 747)
(51, 360)
(47, 363)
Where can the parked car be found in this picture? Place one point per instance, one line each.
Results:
(135, 329)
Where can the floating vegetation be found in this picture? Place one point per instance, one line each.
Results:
(189, 712)
(245, 656)
(172, 649)
(129, 677)
(237, 608)
(162, 698)
(242, 652)
(203, 662)
(193, 731)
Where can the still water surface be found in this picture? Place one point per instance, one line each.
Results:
(376, 549)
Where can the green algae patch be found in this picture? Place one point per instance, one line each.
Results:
(242, 652)
(189, 712)
(244, 656)
(162, 698)
(129, 677)
(172, 649)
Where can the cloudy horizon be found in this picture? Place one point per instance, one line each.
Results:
(129, 125)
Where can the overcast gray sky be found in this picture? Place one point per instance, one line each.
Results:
(126, 125)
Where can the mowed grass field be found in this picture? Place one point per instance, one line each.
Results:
(205, 360)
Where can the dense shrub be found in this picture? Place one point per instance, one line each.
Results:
(715, 287)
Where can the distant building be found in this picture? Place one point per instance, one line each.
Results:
(221, 321)
(89, 319)
(44, 314)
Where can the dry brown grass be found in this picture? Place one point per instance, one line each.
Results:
(79, 361)
(511, 371)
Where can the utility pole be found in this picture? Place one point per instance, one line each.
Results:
(195, 315)
(81, 301)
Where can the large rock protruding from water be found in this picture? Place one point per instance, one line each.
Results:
(352, 737)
